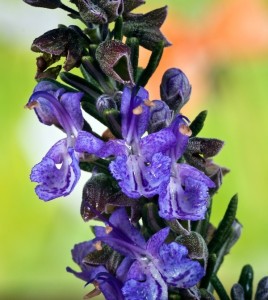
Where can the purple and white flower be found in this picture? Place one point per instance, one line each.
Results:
(140, 166)
(58, 172)
(150, 267)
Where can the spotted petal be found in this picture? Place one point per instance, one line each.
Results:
(186, 196)
(56, 181)
(140, 177)
(176, 269)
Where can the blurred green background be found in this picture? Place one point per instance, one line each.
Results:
(229, 69)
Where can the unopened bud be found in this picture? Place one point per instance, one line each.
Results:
(175, 89)
(105, 103)
(160, 116)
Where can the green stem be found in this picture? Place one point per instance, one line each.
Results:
(133, 44)
(152, 65)
(219, 288)
(118, 29)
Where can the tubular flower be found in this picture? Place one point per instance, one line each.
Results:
(154, 266)
(59, 171)
(186, 195)
(103, 281)
(140, 167)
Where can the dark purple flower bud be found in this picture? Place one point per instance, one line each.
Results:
(105, 103)
(160, 116)
(90, 12)
(114, 59)
(199, 150)
(262, 289)
(44, 3)
(175, 89)
(99, 12)
(237, 292)
(61, 42)
(206, 147)
(146, 28)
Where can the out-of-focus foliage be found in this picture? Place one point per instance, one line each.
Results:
(36, 237)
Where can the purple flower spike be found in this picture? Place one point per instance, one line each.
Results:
(156, 265)
(58, 172)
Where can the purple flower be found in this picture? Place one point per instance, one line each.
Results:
(58, 172)
(140, 166)
(98, 275)
(186, 195)
(151, 266)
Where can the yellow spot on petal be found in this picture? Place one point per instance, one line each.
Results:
(137, 110)
(108, 229)
(98, 245)
(31, 105)
(149, 103)
(184, 129)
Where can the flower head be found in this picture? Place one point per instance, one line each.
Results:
(186, 195)
(155, 265)
(140, 165)
(59, 171)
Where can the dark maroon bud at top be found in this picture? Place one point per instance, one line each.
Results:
(60, 42)
(146, 28)
(44, 3)
(129, 5)
(175, 89)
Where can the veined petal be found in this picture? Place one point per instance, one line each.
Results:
(182, 133)
(160, 141)
(150, 289)
(87, 142)
(71, 102)
(56, 181)
(156, 241)
(123, 237)
(81, 250)
(176, 269)
(50, 110)
(134, 125)
(186, 196)
(114, 147)
(186, 171)
(138, 177)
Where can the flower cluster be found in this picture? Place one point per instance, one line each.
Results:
(151, 177)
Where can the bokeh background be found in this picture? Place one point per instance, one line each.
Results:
(223, 48)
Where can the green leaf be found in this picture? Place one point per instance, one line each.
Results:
(219, 288)
(225, 227)
(246, 281)
(152, 64)
(80, 84)
(198, 123)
